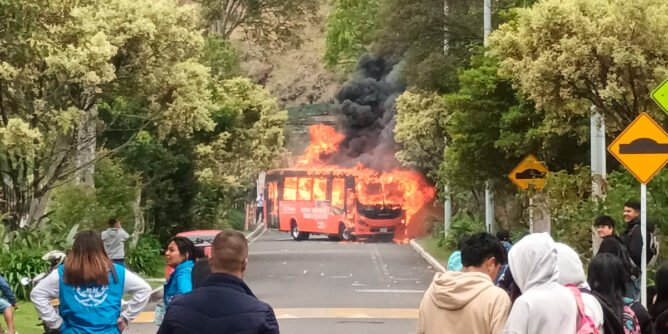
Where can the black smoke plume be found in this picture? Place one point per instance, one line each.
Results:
(366, 114)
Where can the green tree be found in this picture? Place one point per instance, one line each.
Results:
(249, 138)
(60, 58)
(274, 23)
(567, 55)
(349, 29)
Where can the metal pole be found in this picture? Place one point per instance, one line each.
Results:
(643, 257)
(530, 213)
(447, 211)
(446, 37)
(487, 20)
(489, 207)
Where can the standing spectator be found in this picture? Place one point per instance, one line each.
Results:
(114, 241)
(606, 278)
(467, 301)
(201, 269)
(224, 304)
(180, 255)
(613, 245)
(605, 226)
(504, 237)
(90, 287)
(659, 308)
(632, 236)
(455, 259)
(571, 273)
(545, 306)
(259, 205)
(7, 305)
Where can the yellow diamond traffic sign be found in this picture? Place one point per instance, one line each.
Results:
(529, 173)
(660, 96)
(642, 148)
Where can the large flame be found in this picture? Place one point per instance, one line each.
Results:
(399, 187)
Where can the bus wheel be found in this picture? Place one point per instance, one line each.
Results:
(294, 232)
(345, 233)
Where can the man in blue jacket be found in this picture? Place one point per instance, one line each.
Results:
(224, 303)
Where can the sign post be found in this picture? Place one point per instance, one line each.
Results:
(529, 174)
(643, 150)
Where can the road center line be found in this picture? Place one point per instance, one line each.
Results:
(388, 291)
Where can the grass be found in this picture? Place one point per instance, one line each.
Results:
(25, 319)
(430, 244)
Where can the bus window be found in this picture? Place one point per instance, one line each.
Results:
(337, 192)
(319, 189)
(304, 190)
(290, 189)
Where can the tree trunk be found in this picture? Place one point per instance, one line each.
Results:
(86, 142)
(140, 224)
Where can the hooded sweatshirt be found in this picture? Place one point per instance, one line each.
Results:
(114, 242)
(545, 306)
(571, 272)
(463, 302)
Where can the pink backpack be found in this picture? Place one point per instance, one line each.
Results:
(585, 324)
(631, 323)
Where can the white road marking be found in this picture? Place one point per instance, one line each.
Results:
(388, 291)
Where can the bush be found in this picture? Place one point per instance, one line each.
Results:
(462, 223)
(146, 258)
(18, 263)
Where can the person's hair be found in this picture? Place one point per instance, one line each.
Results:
(185, 246)
(606, 277)
(461, 240)
(661, 282)
(87, 262)
(503, 235)
(229, 251)
(480, 247)
(604, 221)
(112, 222)
(614, 246)
(633, 204)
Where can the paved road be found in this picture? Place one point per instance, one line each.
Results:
(319, 286)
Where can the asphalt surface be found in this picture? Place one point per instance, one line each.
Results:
(321, 286)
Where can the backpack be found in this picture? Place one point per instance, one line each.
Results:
(630, 322)
(652, 244)
(585, 324)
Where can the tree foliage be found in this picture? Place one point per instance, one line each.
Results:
(273, 23)
(349, 29)
(569, 54)
(60, 58)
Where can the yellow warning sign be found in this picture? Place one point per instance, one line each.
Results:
(642, 148)
(529, 173)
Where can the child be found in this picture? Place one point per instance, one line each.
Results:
(7, 305)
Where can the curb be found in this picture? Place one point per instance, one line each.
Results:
(427, 257)
(256, 234)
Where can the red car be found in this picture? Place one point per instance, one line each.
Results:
(201, 238)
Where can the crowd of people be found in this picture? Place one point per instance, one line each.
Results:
(540, 286)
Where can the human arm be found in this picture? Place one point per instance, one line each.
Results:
(500, 310)
(123, 234)
(41, 296)
(518, 319)
(7, 291)
(635, 245)
(270, 323)
(140, 291)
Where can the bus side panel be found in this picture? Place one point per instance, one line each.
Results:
(286, 212)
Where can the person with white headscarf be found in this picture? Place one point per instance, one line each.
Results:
(571, 273)
(545, 306)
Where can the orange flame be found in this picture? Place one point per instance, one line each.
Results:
(401, 187)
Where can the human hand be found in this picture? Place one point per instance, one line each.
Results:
(122, 324)
(16, 307)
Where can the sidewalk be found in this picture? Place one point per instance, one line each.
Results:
(428, 248)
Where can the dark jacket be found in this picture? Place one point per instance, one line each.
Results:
(632, 239)
(222, 305)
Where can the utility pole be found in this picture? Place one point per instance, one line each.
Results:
(489, 190)
(598, 164)
(447, 204)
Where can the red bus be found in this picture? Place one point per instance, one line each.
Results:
(339, 205)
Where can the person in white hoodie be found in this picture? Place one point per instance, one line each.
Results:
(545, 306)
(571, 273)
(467, 301)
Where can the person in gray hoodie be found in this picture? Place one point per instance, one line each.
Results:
(114, 241)
(545, 306)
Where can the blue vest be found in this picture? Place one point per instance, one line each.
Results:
(91, 308)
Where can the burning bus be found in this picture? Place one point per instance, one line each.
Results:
(342, 204)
